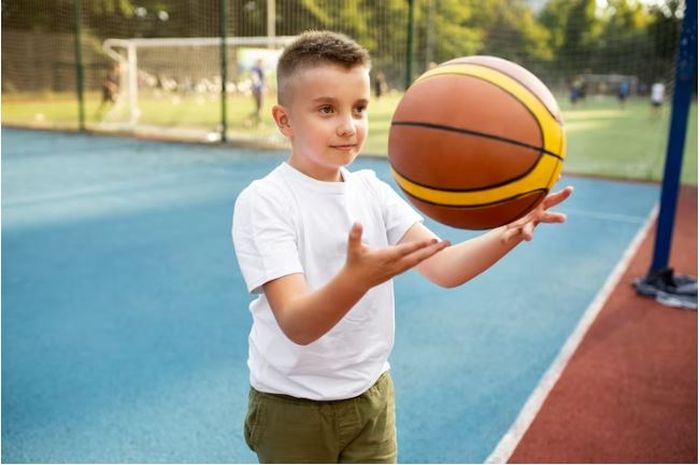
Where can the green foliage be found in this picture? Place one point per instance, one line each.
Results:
(566, 38)
(111, 7)
(510, 30)
(625, 37)
(663, 33)
(454, 34)
(580, 30)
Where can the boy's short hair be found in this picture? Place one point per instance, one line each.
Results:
(314, 48)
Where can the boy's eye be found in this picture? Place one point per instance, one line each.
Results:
(360, 109)
(326, 109)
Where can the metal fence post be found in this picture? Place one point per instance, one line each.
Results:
(79, 67)
(409, 43)
(223, 20)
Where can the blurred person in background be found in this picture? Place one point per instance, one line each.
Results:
(658, 89)
(257, 76)
(110, 89)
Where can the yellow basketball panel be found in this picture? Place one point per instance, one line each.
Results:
(543, 176)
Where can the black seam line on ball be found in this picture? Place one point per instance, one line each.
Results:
(509, 92)
(480, 205)
(443, 127)
(472, 189)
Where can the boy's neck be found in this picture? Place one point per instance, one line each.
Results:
(320, 173)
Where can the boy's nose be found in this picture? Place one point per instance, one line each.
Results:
(346, 127)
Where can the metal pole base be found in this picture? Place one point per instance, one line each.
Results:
(672, 290)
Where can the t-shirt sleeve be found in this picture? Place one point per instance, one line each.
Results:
(398, 215)
(264, 238)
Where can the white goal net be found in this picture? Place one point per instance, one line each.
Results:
(174, 85)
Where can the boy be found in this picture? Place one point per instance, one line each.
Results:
(323, 323)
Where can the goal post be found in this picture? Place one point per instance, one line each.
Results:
(179, 71)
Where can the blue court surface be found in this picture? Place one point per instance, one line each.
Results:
(125, 318)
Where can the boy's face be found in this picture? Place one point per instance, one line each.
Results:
(327, 118)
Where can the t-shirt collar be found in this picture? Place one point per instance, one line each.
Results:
(329, 187)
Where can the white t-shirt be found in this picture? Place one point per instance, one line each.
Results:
(288, 223)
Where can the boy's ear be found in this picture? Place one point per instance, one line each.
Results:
(281, 116)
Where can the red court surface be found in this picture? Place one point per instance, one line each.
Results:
(629, 393)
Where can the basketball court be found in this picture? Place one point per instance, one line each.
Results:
(125, 319)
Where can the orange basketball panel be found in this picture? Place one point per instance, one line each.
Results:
(456, 161)
(481, 217)
(517, 72)
(472, 104)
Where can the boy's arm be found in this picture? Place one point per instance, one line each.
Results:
(304, 315)
(461, 262)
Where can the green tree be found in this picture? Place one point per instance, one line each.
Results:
(511, 30)
(573, 30)
(446, 27)
(664, 33)
(623, 45)
(378, 26)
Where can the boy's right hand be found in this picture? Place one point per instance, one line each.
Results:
(369, 267)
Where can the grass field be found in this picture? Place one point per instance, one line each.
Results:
(603, 138)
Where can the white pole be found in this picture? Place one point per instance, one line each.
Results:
(133, 84)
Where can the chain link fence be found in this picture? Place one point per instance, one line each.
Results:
(182, 68)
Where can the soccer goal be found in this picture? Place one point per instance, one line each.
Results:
(175, 84)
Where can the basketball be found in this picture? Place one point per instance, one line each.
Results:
(476, 142)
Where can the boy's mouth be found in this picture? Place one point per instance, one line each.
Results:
(344, 147)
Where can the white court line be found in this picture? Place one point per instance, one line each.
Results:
(506, 446)
(605, 216)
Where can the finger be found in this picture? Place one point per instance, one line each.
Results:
(411, 247)
(355, 236)
(510, 233)
(558, 197)
(553, 217)
(507, 236)
(411, 260)
(523, 230)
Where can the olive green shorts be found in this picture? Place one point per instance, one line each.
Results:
(285, 429)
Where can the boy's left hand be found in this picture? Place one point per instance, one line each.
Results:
(524, 228)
